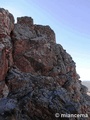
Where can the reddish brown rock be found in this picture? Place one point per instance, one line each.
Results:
(45, 31)
(3, 62)
(25, 20)
(6, 60)
(35, 50)
(2, 84)
(32, 48)
(6, 23)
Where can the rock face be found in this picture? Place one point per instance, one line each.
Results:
(6, 26)
(38, 78)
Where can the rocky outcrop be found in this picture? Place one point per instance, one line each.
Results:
(38, 77)
(6, 26)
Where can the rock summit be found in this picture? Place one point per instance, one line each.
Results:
(38, 78)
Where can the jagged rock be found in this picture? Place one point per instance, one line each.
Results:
(32, 46)
(39, 53)
(25, 20)
(41, 94)
(7, 108)
(6, 23)
(6, 26)
(84, 89)
(7, 105)
(38, 78)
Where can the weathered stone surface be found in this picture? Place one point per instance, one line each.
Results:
(6, 23)
(35, 47)
(32, 48)
(38, 78)
(42, 96)
(6, 60)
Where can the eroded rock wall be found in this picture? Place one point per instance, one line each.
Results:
(6, 60)
(38, 77)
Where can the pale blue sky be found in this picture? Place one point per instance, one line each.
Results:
(70, 19)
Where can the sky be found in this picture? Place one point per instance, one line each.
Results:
(70, 20)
